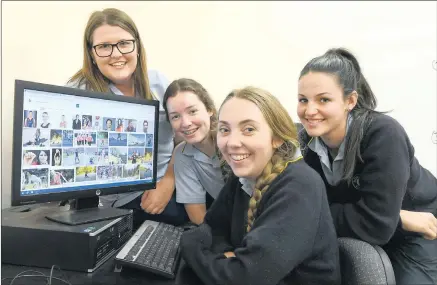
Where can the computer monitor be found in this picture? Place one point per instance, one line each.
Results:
(70, 143)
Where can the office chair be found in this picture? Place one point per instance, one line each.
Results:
(362, 263)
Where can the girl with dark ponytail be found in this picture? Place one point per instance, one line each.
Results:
(270, 224)
(378, 191)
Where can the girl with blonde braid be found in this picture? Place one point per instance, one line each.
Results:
(271, 222)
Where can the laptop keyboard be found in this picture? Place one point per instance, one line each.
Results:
(154, 247)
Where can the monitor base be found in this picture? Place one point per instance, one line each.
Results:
(85, 216)
(22, 209)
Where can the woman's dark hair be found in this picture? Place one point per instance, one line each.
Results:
(344, 66)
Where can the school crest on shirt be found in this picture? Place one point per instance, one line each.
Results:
(356, 182)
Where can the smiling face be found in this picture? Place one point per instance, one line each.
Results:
(42, 157)
(118, 67)
(244, 138)
(189, 117)
(322, 108)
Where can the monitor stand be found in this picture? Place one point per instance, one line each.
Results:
(23, 208)
(86, 210)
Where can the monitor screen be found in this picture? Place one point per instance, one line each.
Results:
(71, 143)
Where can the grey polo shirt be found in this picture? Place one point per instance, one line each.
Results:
(196, 174)
(333, 174)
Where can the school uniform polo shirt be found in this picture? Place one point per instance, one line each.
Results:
(196, 174)
(334, 172)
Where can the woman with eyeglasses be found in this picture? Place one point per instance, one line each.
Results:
(115, 61)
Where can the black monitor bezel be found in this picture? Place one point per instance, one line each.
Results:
(18, 121)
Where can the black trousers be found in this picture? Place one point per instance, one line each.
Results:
(174, 213)
(414, 259)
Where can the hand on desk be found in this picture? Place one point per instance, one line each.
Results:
(154, 201)
(420, 222)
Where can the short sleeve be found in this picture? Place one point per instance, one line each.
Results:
(188, 187)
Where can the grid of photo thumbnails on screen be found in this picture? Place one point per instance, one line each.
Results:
(72, 143)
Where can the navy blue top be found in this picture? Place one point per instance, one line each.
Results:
(389, 179)
(292, 240)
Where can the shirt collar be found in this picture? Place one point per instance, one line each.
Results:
(114, 89)
(297, 154)
(190, 150)
(318, 146)
(248, 185)
(117, 91)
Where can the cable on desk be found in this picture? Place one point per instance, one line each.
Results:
(49, 277)
(51, 273)
(19, 274)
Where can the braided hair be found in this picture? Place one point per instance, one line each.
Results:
(282, 128)
(274, 167)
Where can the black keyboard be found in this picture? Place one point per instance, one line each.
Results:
(154, 247)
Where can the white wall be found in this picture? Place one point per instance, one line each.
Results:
(228, 45)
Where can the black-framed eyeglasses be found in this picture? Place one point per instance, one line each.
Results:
(124, 47)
